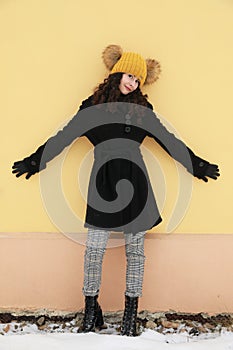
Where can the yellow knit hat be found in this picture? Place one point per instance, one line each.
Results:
(132, 63)
(147, 71)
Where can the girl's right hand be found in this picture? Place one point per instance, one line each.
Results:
(28, 166)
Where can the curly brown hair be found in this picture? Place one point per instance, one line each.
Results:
(108, 91)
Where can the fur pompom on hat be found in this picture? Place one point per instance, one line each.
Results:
(146, 70)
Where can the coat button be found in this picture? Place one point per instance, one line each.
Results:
(33, 163)
(127, 129)
(201, 164)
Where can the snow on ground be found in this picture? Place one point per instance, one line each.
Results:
(148, 340)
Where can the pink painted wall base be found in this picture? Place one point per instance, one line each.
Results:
(183, 273)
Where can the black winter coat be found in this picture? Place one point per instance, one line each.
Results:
(117, 133)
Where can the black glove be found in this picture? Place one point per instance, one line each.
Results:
(25, 166)
(211, 170)
(30, 165)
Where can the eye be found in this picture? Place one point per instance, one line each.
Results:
(130, 76)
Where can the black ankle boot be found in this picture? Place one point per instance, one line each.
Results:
(93, 317)
(99, 323)
(129, 324)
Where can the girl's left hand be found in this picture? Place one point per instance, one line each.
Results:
(211, 171)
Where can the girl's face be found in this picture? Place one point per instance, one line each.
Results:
(128, 83)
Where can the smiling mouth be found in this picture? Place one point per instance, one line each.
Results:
(127, 88)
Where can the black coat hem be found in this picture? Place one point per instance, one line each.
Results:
(121, 229)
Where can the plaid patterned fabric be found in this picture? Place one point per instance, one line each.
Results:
(95, 248)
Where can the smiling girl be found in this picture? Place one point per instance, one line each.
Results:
(123, 129)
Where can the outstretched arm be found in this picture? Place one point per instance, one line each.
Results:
(37, 161)
(197, 166)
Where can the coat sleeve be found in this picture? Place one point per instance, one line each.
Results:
(56, 144)
(174, 146)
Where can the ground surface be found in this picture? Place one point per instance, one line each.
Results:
(188, 327)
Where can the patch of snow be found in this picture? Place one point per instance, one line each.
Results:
(148, 340)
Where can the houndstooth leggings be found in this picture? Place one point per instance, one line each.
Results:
(93, 258)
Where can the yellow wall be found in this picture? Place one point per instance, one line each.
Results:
(51, 60)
